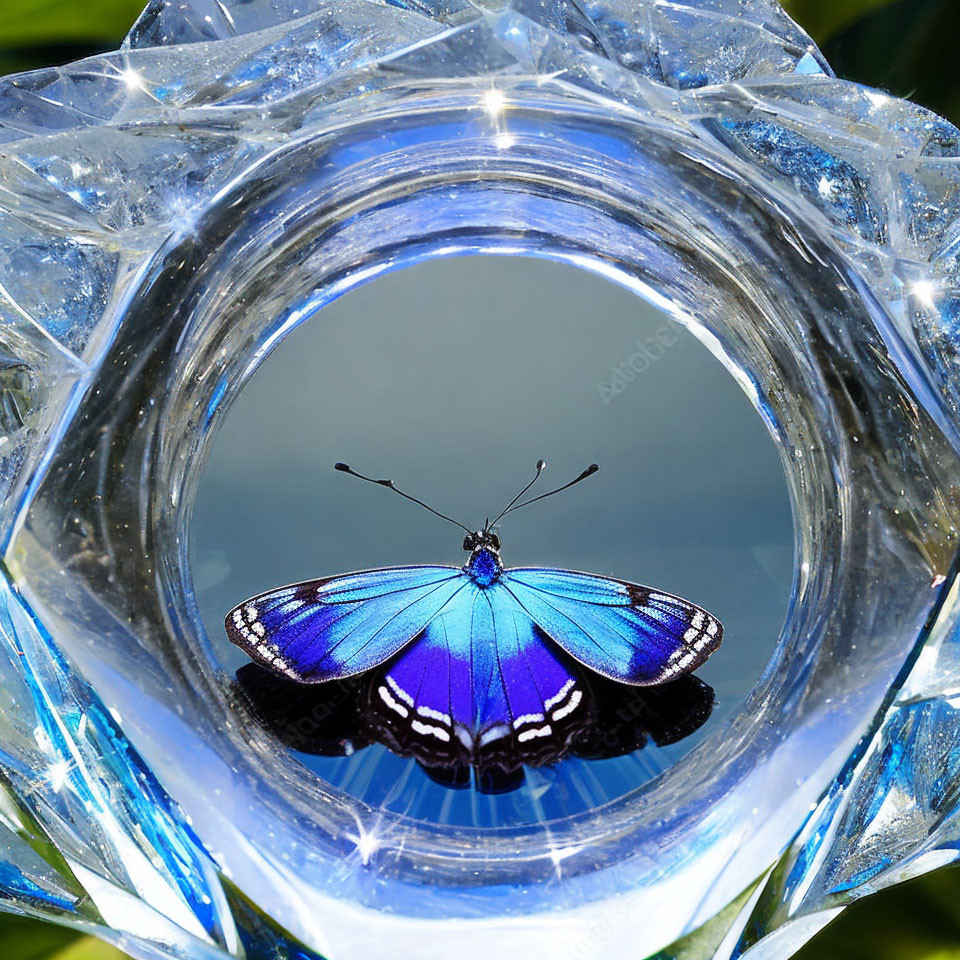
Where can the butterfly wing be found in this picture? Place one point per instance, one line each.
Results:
(482, 685)
(623, 631)
(334, 628)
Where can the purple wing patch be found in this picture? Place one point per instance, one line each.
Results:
(481, 685)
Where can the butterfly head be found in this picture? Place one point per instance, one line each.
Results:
(481, 538)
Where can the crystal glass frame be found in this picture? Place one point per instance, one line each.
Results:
(169, 212)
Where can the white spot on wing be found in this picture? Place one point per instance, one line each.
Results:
(390, 702)
(434, 714)
(528, 718)
(425, 728)
(535, 732)
(494, 733)
(568, 707)
(400, 692)
(559, 695)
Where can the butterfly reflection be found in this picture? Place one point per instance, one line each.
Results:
(337, 718)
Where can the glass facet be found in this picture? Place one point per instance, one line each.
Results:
(169, 212)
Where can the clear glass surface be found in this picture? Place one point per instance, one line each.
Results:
(172, 211)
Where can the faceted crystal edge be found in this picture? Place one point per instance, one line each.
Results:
(100, 160)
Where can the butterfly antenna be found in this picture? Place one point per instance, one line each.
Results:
(589, 472)
(541, 465)
(389, 484)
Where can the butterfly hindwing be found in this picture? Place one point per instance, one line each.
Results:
(334, 628)
(623, 631)
(482, 685)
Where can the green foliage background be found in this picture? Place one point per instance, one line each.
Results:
(908, 47)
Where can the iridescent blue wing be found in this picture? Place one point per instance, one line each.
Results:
(482, 685)
(334, 628)
(624, 631)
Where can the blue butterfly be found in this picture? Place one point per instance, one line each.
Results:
(481, 664)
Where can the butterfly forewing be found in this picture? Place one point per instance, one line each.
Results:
(333, 628)
(623, 631)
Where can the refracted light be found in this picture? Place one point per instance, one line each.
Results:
(132, 79)
(559, 854)
(493, 101)
(183, 217)
(57, 775)
(877, 98)
(925, 291)
(367, 842)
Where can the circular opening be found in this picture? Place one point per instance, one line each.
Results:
(453, 377)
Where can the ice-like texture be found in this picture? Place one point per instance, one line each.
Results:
(168, 211)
